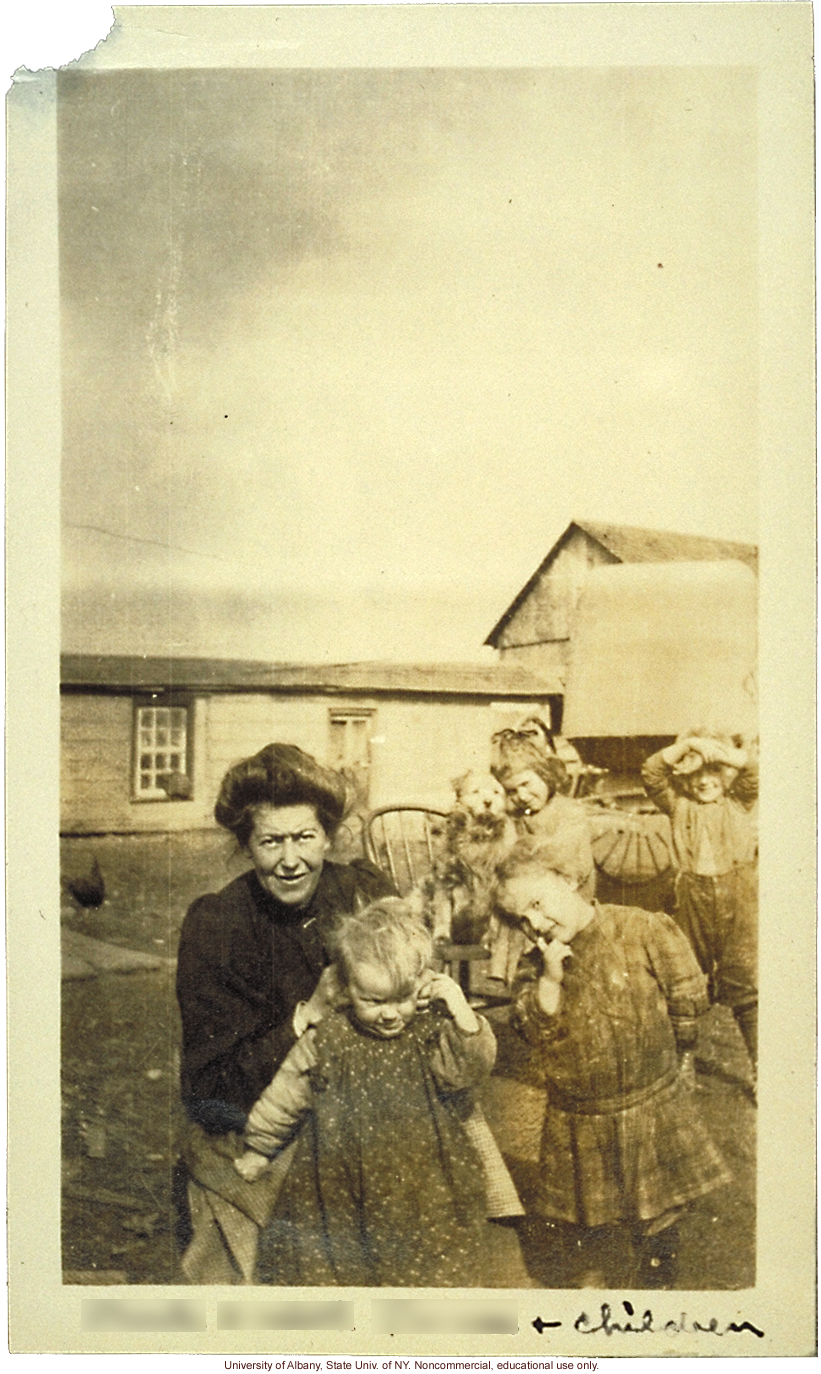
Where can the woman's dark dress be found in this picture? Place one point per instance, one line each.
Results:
(245, 961)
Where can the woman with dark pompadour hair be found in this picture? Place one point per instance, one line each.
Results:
(252, 976)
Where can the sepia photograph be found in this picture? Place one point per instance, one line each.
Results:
(415, 484)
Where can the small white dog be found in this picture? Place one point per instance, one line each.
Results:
(478, 835)
(479, 795)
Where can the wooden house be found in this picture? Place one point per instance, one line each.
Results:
(535, 630)
(146, 741)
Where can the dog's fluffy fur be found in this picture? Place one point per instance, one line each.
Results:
(478, 835)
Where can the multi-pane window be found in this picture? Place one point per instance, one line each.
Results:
(350, 749)
(162, 739)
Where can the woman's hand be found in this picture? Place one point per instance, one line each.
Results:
(302, 1058)
(327, 994)
(252, 1165)
(439, 987)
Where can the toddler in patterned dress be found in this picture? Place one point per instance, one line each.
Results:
(394, 1169)
(609, 996)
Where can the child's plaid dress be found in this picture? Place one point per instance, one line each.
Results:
(621, 1141)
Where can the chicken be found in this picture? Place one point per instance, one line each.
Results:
(89, 891)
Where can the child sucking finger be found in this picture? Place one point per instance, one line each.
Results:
(614, 1024)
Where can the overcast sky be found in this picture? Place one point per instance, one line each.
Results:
(344, 351)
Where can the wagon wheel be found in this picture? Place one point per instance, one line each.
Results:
(631, 849)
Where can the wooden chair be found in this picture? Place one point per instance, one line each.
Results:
(404, 842)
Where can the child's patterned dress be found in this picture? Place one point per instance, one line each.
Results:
(622, 1142)
(386, 1184)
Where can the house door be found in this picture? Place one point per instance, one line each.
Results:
(350, 751)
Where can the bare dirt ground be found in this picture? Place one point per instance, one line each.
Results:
(120, 1092)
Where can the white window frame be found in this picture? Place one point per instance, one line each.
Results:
(162, 742)
(346, 715)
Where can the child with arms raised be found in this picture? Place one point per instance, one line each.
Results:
(708, 787)
(388, 1180)
(609, 996)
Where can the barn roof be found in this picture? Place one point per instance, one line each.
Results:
(116, 673)
(631, 544)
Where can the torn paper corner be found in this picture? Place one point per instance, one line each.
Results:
(69, 39)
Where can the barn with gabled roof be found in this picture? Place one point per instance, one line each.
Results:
(535, 630)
